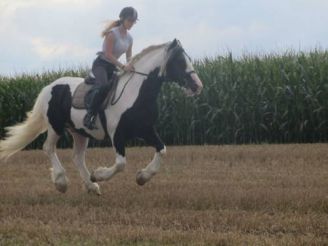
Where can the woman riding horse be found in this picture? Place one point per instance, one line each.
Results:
(117, 41)
(131, 114)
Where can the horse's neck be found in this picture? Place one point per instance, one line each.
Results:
(150, 61)
(130, 85)
(152, 64)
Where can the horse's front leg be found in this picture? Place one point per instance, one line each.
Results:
(106, 173)
(152, 138)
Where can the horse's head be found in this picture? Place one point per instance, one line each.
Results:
(180, 69)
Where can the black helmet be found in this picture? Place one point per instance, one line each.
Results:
(129, 13)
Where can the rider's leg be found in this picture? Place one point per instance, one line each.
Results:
(102, 72)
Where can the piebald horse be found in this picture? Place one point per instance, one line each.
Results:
(131, 114)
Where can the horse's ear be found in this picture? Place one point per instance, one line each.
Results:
(173, 44)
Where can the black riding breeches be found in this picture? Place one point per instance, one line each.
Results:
(103, 72)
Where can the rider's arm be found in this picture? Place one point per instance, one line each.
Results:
(109, 41)
(129, 54)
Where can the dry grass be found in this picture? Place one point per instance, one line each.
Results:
(205, 195)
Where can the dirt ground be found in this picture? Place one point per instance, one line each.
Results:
(203, 195)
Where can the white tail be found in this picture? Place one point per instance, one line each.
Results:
(22, 134)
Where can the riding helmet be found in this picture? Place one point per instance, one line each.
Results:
(129, 13)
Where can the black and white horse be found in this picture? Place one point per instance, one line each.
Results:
(131, 114)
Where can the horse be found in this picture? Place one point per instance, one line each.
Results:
(131, 113)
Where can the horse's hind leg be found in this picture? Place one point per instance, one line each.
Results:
(57, 171)
(80, 146)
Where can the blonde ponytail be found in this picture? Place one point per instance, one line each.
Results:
(109, 26)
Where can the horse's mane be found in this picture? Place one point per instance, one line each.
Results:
(146, 51)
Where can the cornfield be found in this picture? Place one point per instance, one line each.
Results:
(254, 99)
(272, 98)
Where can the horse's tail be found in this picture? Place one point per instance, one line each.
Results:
(22, 134)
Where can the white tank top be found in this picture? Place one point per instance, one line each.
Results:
(121, 43)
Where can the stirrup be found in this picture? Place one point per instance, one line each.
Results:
(90, 121)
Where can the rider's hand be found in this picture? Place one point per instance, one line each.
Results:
(128, 68)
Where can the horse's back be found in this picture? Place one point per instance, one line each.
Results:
(54, 91)
(72, 82)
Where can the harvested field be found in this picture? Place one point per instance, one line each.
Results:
(203, 195)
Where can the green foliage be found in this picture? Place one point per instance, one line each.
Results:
(276, 98)
(253, 99)
(18, 94)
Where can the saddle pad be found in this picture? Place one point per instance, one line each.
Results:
(82, 89)
(79, 95)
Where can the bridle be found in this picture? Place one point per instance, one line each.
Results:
(145, 74)
(163, 78)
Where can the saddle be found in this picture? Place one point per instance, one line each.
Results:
(79, 96)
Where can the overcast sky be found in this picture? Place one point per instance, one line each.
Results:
(39, 35)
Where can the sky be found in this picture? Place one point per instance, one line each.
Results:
(48, 35)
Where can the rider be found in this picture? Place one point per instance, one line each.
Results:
(117, 40)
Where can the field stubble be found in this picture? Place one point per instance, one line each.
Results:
(203, 195)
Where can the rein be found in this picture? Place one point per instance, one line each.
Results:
(113, 102)
(145, 74)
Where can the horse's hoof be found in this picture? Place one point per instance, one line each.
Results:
(98, 174)
(61, 187)
(98, 192)
(94, 188)
(60, 180)
(141, 178)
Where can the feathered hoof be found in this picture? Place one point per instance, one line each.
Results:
(60, 180)
(97, 175)
(61, 187)
(142, 177)
(93, 188)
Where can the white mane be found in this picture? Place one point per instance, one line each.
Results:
(145, 51)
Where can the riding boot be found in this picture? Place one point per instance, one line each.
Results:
(92, 106)
(93, 101)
